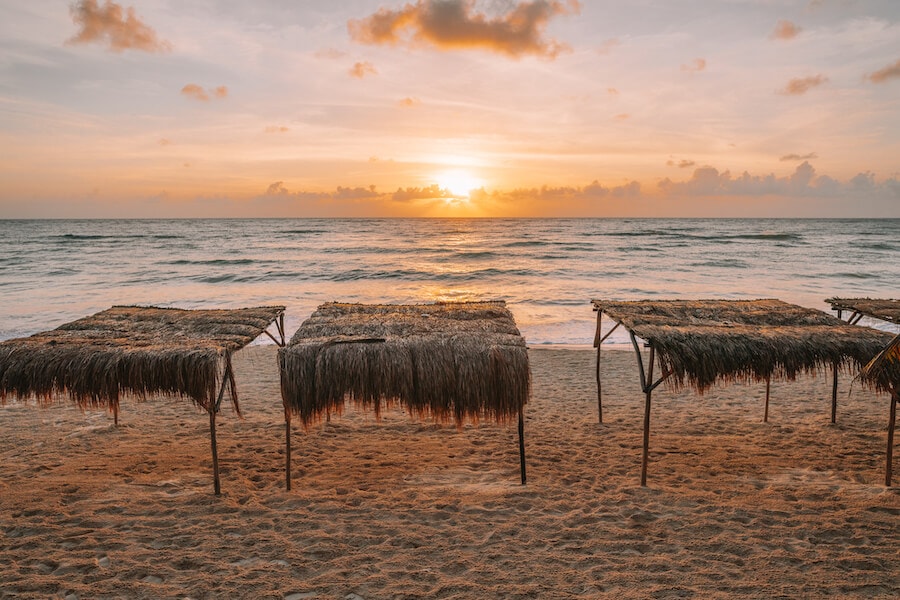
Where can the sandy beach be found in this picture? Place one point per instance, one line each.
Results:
(735, 508)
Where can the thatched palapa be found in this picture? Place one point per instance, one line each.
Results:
(885, 370)
(700, 342)
(451, 361)
(884, 309)
(138, 351)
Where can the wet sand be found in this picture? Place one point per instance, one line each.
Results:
(734, 507)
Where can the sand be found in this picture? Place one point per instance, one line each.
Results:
(734, 507)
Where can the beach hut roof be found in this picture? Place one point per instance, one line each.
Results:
(450, 360)
(702, 341)
(884, 369)
(885, 309)
(132, 349)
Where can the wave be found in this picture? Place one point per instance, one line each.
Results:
(215, 262)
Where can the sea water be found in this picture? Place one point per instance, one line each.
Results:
(547, 270)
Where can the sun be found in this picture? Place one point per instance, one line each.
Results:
(459, 183)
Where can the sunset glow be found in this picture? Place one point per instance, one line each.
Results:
(545, 108)
(459, 183)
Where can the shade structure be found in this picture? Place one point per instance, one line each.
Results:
(884, 371)
(885, 309)
(450, 361)
(700, 342)
(138, 351)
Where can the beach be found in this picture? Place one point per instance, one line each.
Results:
(397, 508)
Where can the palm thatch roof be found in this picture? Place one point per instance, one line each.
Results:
(131, 349)
(451, 361)
(884, 309)
(701, 341)
(884, 369)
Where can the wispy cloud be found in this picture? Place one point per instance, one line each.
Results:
(681, 164)
(801, 85)
(409, 102)
(882, 75)
(192, 90)
(785, 30)
(695, 66)
(276, 129)
(798, 157)
(453, 24)
(120, 29)
(362, 68)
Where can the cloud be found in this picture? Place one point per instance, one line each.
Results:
(695, 66)
(409, 102)
(361, 69)
(784, 30)
(425, 193)
(117, 28)
(455, 24)
(882, 75)
(622, 117)
(192, 90)
(276, 129)
(340, 193)
(801, 85)
(803, 182)
(796, 157)
(612, 91)
(681, 164)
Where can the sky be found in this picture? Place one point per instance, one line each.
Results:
(450, 108)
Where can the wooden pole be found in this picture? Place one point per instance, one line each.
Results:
(287, 447)
(599, 387)
(892, 421)
(834, 385)
(648, 389)
(213, 408)
(522, 444)
(215, 453)
(115, 408)
(766, 415)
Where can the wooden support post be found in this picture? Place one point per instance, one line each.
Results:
(892, 421)
(648, 390)
(215, 453)
(115, 408)
(640, 361)
(287, 448)
(599, 341)
(834, 386)
(214, 403)
(522, 444)
(766, 415)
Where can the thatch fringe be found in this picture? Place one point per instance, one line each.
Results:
(879, 308)
(448, 361)
(134, 350)
(884, 369)
(704, 341)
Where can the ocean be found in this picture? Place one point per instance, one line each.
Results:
(547, 270)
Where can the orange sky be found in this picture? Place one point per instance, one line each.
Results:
(450, 108)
